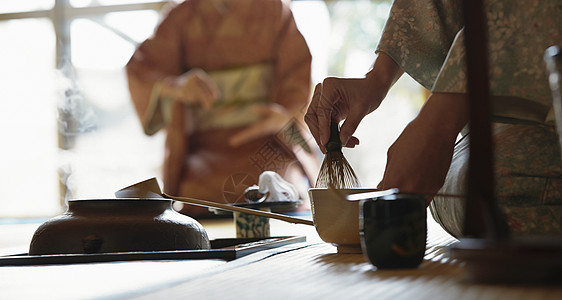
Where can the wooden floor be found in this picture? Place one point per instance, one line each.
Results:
(310, 270)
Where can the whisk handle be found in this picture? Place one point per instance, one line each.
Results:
(334, 143)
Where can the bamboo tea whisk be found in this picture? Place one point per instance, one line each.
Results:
(335, 171)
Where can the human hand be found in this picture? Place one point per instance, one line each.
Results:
(351, 100)
(194, 87)
(273, 117)
(336, 99)
(419, 159)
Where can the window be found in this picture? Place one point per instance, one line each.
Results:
(70, 130)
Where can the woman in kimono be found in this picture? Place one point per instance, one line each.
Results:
(425, 39)
(229, 81)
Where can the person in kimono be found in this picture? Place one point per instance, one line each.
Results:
(426, 40)
(229, 81)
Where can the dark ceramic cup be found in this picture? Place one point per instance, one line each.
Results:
(393, 230)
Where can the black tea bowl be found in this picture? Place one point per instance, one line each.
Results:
(393, 230)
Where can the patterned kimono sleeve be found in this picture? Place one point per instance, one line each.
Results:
(518, 34)
(155, 59)
(418, 35)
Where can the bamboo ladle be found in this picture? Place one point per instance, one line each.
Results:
(151, 189)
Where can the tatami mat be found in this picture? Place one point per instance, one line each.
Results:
(317, 272)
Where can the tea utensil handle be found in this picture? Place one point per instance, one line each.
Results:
(239, 209)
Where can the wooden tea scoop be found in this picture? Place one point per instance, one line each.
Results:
(150, 189)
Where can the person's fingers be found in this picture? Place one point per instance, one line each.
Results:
(354, 116)
(311, 117)
(210, 86)
(207, 91)
(347, 129)
(196, 88)
(351, 142)
(198, 95)
(326, 103)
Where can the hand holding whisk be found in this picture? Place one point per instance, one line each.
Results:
(335, 171)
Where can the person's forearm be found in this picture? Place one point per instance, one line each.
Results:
(385, 72)
(447, 112)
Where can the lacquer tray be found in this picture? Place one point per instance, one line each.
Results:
(225, 249)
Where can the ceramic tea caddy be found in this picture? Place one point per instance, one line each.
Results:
(393, 229)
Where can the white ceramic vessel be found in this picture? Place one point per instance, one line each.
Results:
(336, 219)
